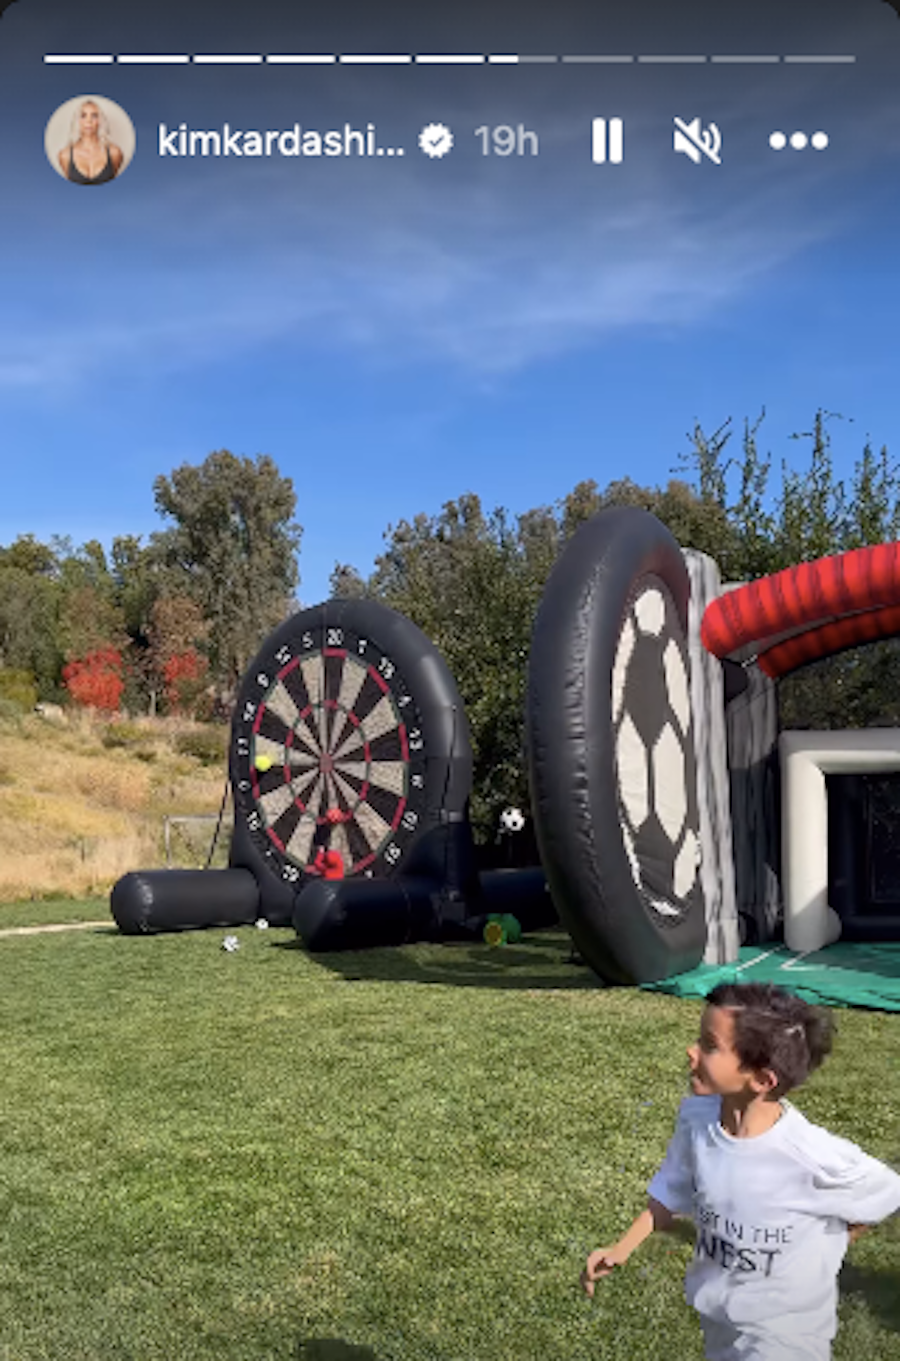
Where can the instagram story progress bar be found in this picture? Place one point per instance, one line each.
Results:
(607, 141)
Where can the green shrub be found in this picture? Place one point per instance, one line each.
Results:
(18, 689)
(10, 713)
(122, 735)
(207, 745)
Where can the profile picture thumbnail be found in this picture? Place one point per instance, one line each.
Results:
(89, 140)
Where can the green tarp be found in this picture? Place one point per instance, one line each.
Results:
(841, 975)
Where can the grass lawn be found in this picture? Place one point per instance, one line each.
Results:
(208, 1156)
(52, 911)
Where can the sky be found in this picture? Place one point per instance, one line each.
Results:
(395, 331)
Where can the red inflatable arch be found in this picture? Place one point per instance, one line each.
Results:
(809, 611)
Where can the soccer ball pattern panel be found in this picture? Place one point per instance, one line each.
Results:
(650, 613)
(686, 864)
(634, 777)
(669, 783)
(627, 639)
(677, 684)
(655, 764)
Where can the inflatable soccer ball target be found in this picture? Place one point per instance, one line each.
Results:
(610, 748)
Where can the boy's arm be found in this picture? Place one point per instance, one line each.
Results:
(857, 1230)
(655, 1217)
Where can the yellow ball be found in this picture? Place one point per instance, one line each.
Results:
(263, 763)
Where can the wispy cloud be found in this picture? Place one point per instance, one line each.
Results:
(446, 267)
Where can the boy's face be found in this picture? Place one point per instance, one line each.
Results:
(715, 1067)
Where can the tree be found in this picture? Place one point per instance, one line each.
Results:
(695, 522)
(57, 603)
(706, 458)
(89, 620)
(874, 512)
(584, 501)
(346, 582)
(29, 608)
(136, 577)
(538, 534)
(184, 679)
(812, 504)
(28, 554)
(738, 534)
(175, 665)
(234, 545)
(753, 522)
(95, 680)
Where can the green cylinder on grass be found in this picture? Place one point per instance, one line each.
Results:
(502, 929)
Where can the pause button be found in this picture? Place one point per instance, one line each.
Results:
(607, 143)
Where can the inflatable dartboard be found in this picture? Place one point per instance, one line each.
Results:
(348, 739)
(610, 745)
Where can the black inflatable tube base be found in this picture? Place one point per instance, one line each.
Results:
(148, 901)
(358, 914)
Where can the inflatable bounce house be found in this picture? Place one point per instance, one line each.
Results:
(668, 835)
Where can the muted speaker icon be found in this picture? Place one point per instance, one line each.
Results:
(696, 141)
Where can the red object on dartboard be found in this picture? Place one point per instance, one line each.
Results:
(329, 864)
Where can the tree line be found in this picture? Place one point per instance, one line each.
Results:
(171, 624)
(167, 624)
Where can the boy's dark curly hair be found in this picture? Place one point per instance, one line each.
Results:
(774, 1029)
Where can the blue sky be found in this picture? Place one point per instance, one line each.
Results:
(394, 333)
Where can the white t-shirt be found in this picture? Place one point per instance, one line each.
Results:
(771, 1215)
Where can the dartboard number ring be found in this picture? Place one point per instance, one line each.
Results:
(329, 752)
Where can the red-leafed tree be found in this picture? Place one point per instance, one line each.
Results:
(185, 680)
(177, 666)
(95, 681)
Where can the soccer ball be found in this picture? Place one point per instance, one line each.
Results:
(512, 820)
(230, 943)
(654, 752)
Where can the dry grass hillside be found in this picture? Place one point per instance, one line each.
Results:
(82, 799)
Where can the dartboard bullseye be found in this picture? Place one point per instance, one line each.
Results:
(341, 744)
